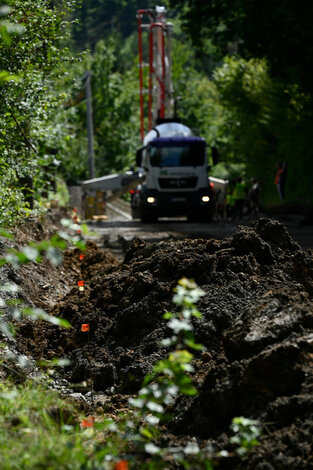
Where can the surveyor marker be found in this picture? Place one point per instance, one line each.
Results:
(121, 465)
(81, 285)
(88, 422)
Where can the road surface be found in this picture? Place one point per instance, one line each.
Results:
(119, 230)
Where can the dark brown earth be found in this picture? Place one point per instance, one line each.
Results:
(257, 327)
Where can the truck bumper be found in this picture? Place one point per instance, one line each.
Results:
(161, 204)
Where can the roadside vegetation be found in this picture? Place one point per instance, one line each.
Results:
(32, 59)
(254, 105)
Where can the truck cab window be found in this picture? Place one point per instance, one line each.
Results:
(192, 154)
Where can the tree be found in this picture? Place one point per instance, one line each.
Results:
(98, 19)
(266, 88)
(26, 102)
(265, 122)
(115, 114)
(279, 31)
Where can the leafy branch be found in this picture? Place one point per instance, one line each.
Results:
(34, 252)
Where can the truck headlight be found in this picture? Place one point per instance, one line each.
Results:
(150, 200)
(205, 198)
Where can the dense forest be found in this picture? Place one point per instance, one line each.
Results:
(241, 72)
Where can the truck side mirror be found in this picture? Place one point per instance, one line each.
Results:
(139, 157)
(214, 155)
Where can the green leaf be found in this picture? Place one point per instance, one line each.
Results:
(196, 314)
(37, 313)
(30, 253)
(3, 232)
(6, 329)
(191, 344)
(55, 362)
(9, 288)
(188, 389)
(81, 245)
(155, 407)
(146, 433)
(66, 236)
(54, 255)
(151, 448)
(167, 316)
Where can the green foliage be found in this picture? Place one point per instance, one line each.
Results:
(39, 430)
(115, 109)
(253, 120)
(98, 19)
(258, 110)
(31, 59)
(280, 32)
(247, 431)
(34, 252)
(264, 122)
(115, 103)
(8, 29)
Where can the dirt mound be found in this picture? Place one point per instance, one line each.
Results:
(257, 327)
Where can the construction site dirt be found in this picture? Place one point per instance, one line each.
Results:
(257, 327)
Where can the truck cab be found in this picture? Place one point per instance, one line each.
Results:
(174, 162)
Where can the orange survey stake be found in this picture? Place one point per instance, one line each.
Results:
(121, 465)
(88, 422)
(82, 256)
(85, 327)
(81, 283)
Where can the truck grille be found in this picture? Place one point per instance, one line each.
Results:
(178, 183)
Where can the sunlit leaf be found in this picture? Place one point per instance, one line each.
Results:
(54, 255)
(151, 448)
(30, 253)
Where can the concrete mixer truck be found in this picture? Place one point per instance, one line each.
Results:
(173, 160)
(176, 183)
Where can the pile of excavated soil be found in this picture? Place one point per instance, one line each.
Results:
(257, 327)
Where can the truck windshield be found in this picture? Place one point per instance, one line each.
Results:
(189, 154)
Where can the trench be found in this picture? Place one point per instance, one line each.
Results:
(256, 325)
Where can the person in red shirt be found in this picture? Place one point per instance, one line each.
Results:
(277, 180)
(282, 179)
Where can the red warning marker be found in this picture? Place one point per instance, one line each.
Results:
(85, 327)
(81, 256)
(88, 422)
(81, 285)
(121, 465)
